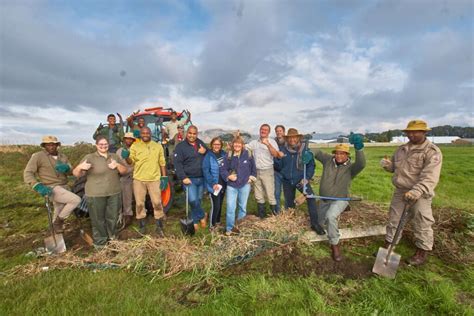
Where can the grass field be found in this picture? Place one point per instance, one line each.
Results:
(284, 281)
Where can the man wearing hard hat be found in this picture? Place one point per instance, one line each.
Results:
(416, 167)
(47, 172)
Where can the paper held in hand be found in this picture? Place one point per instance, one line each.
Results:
(216, 192)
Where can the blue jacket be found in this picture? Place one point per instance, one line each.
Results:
(287, 166)
(210, 169)
(243, 165)
(187, 161)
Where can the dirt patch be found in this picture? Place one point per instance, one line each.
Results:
(363, 214)
(290, 260)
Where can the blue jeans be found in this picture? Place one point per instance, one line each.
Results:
(236, 198)
(289, 190)
(278, 184)
(195, 191)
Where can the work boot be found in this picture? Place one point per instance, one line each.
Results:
(336, 253)
(159, 228)
(318, 229)
(58, 225)
(127, 220)
(235, 230)
(203, 221)
(142, 225)
(273, 209)
(261, 210)
(419, 258)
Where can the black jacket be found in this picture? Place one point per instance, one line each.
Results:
(187, 161)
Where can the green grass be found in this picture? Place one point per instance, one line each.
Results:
(437, 288)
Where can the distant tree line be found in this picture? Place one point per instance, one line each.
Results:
(445, 130)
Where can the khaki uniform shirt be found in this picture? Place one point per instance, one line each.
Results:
(101, 180)
(417, 168)
(42, 165)
(147, 159)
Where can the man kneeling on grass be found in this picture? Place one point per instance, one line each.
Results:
(338, 172)
(51, 169)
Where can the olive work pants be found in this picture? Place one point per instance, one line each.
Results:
(104, 212)
(140, 189)
(420, 215)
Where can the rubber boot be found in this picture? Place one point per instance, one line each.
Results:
(336, 253)
(261, 210)
(159, 228)
(58, 225)
(318, 229)
(128, 220)
(142, 225)
(273, 209)
(418, 258)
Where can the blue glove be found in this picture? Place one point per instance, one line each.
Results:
(307, 157)
(163, 183)
(136, 133)
(125, 153)
(42, 189)
(357, 140)
(62, 167)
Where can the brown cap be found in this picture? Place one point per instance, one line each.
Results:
(293, 132)
(50, 140)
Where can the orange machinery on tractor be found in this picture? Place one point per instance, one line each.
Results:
(156, 119)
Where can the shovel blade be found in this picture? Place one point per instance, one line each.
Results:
(187, 226)
(386, 268)
(55, 244)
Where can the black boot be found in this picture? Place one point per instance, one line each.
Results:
(318, 229)
(261, 210)
(142, 225)
(273, 209)
(159, 228)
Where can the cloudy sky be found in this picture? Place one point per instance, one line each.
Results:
(323, 66)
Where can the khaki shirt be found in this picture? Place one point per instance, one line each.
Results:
(42, 165)
(147, 159)
(126, 164)
(417, 168)
(263, 156)
(101, 180)
(172, 127)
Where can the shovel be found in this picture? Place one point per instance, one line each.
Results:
(187, 224)
(55, 242)
(387, 261)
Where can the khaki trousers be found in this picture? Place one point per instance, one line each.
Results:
(64, 202)
(127, 195)
(140, 189)
(265, 186)
(420, 215)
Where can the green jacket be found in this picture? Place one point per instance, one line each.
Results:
(117, 135)
(336, 180)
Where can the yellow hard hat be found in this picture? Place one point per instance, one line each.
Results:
(417, 125)
(342, 147)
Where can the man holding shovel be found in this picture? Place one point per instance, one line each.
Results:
(338, 172)
(47, 172)
(416, 168)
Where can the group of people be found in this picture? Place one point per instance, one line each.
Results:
(135, 165)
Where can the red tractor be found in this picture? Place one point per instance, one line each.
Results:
(156, 119)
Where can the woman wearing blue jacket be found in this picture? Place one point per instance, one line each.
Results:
(238, 170)
(213, 181)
